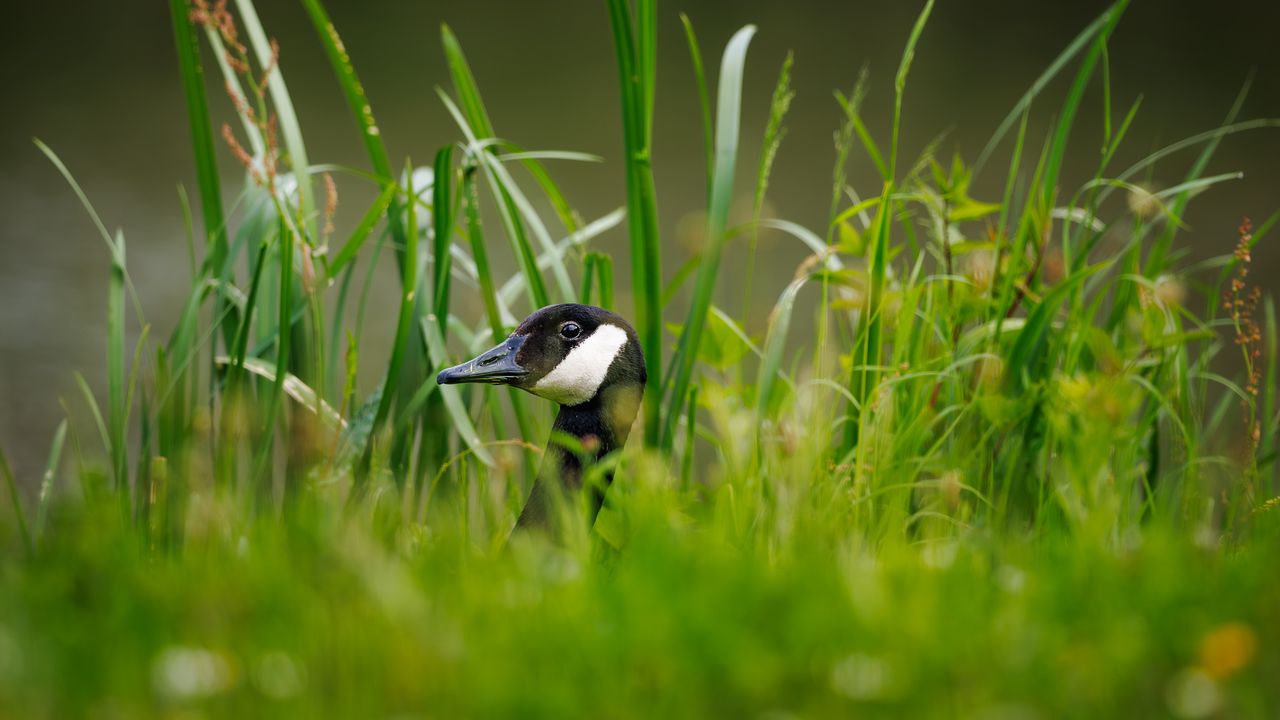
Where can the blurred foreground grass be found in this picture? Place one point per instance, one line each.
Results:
(322, 617)
(1005, 475)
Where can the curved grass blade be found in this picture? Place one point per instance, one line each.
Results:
(704, 99)
(478, 126)
(1029, 346)
(293, 386)
(525, 257)
(728, 117)
(1084, 38)
(775, 342)
(287, 116)
(515, 284)
(50, 477)
(363, 230)
(452, 398)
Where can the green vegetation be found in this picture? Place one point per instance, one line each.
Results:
(1004, 476)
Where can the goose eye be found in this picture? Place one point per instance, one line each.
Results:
(570, 331)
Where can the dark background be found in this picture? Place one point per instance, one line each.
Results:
(97, 81)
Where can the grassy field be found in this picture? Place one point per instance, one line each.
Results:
(999, 457)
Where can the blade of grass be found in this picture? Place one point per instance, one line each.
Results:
(193, 87)
(117, 421)
(728, 118)
(94, 411)
(642, 211)
(1024, 103)
(285, 113)
(452, 398)
(16, 499)
(511, 289)
(442, 209)
(1066, 117)
(404, 325)
(1021, 368)
(283, 334)
(50, 477)
(479, 127)
(774, 132)
(293, 386)
(351, 248)
(775, 343)
(900, 84)
(1156, 258)
(704, 99)
(525, 257)
(868, 343)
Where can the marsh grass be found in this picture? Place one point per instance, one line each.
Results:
(1004, 473)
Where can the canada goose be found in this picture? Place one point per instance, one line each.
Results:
(584, 358)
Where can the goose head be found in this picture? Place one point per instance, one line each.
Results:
(574, 355)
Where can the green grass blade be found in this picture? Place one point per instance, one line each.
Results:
(512, 203)
(774, 132)
(647, 57)
(1158, 254)
(94, 411)
(642, 211)
(488, 295)
(1267, 444)
(900, 83)
(515, 284)
(106, 236)
(285, 113)
(1066, 117)
(464, 83)
(357, 101)
(775, 342)
(1022, 366)
(404, 325)
(347, 254)
(1024, 103)
(202, 141)
(728, 118)
(514, 206)
(117, 420)
(16, 499)
(442, 208)
(526, 259)
(588, 278)
(604, 269)
(452, 398)
(283, 342)
(293, 386)
(704, 98)
(362, 113)
(50, 477)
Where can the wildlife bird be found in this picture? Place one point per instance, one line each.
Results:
(586, 359)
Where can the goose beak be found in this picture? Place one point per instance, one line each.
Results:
(497, 366)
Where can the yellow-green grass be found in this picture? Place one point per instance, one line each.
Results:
(1000, 473)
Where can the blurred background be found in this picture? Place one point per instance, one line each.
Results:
(98, 82)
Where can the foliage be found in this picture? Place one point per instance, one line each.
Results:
(1004, 472)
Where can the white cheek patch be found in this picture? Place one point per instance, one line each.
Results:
(577, 378)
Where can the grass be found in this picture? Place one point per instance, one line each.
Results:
(1009, 471)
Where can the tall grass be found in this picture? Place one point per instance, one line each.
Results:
(1000, 472)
